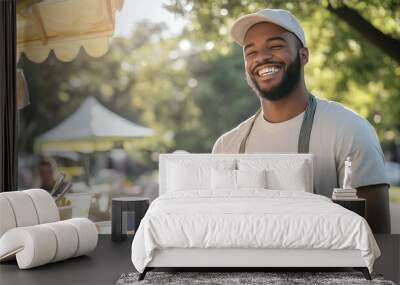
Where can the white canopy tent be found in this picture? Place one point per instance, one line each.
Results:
(90, 128)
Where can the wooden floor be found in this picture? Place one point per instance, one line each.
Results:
(111, 259)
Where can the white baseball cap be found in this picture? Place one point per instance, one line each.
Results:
(278, 17)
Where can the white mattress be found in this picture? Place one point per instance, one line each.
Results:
(263, 219)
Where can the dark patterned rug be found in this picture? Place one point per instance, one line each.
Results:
(242, 278)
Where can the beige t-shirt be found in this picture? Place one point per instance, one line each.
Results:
(337, 133)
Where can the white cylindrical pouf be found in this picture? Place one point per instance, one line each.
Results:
(87, 234)
(23, 207)
(38, 244)
(7, 218)
(67, 239)
(45, 206)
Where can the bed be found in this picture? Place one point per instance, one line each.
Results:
(247, 210)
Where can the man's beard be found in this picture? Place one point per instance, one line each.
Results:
(290, 80)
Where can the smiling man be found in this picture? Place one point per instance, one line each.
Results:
(293, 120)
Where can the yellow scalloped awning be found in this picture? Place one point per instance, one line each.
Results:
(64, 26)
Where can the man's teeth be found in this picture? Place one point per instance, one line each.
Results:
(268, 71)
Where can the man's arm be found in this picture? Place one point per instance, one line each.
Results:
(378, 213)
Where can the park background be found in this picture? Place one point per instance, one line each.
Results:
(172, 68)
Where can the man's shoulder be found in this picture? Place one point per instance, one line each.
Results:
(345, 127)
(333, 114)
(230, 141)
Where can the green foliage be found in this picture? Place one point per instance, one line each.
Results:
(191, 96)
(222, 95)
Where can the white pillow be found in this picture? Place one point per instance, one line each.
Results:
(183, 177)
(230, 180)
(251, 178)
(293, 178)
(223, 179)
(281, 174)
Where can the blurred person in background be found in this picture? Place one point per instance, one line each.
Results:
(48, 174)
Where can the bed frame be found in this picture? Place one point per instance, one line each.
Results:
(242, 259)
(246, 258)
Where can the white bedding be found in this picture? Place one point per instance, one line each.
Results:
(253, 218)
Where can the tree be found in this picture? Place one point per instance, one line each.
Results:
(385, 42)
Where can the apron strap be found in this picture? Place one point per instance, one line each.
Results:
(305, 131)
(242, 148)
(306, 126)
